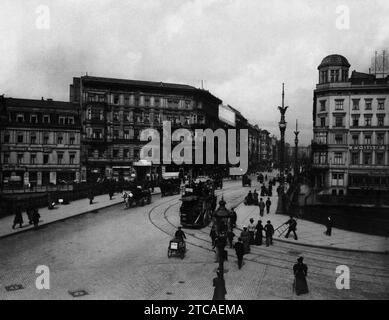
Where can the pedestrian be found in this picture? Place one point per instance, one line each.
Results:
(18, 217)
(90, 196)
(261, 207)
(220, 242)
(329, 226)
(258, 233)
(212, 234)
(110, 193)
(35, 218)
(239, 250)
(292, 227)
(255, 197)
(245, 239)
(220, 287)
(233, 218)
(230, 236)
(251, 230)
(300, 271)
(268, 204)
(269, 231)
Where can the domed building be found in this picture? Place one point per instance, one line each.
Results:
(351, 131)
(333, 68)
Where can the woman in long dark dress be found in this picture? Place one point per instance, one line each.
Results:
(300, 271)
(220, 288)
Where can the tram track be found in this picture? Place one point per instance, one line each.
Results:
(317, 267)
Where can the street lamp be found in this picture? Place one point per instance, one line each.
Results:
(282, 126)
(221, 219)
(296, 142)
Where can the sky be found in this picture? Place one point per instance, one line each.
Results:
(243, 50)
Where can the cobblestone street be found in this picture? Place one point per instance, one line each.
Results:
(122, 254)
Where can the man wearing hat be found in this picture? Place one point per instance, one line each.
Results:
(269, 231)
(245, 236)
(300, 271)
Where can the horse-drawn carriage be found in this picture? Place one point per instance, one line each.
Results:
(137, 195)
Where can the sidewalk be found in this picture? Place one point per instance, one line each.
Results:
(61, 212)
(312, 234)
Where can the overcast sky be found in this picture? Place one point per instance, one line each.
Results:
(242, 49)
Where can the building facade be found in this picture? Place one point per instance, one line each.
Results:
(40, 143)
(114, 112)
(351, 130)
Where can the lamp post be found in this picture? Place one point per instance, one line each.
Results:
(296, 142)
(222, 217)
(282, 126)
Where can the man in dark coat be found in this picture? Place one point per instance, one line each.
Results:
(261, 207)
(258, 233)
(239, 250)
(220, 287)
(18, 217)
(329, 226)
(233, 218)
(180, 235)
(300, 271)
(245, 236)
(90, 196)
(230, 236)
(35, 218)
(269, 231)
(255, 197)
(268, 204)
(292, 227)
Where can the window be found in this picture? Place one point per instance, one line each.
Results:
(60, 139)
(380, 139)
(97, 134)
(355, 122)
(338, 179)
(126, 153)
(320, 158)
(34, 118)
(338, 138)
(355, 104)
(72, 139)
(368, 121)
(379, 158)
(187, 104)
(116, 99)
(338, 158)
(146, 118)
(61, 120)
(71, 120)
(45, 159)
(19, 118)
(355, 139)
(367, 139)
(380, 120)
(338, 121)
(368, 104)
(333, 79)
(20, 158)
(60, 158)
(20, 138)
(6, 138)
(321, 137)
(101, 115)
(89, 114)
(116, 116)
(45, 139)
(344, 75)
(136, 154)
(156, 101)
(126, 134)
(115, 134)
(367, 158)
(381, 104)
(355, 158)
(46, 119)
(339, 104)
(6, 158)
(32, 158)
(33, 139)
(115, 153)
(72, 156)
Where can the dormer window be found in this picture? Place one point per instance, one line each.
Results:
(19, 118)
(34, 118)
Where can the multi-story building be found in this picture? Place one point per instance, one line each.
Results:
(114, 111)
(265, 145)
(40, 142)
(351, 130)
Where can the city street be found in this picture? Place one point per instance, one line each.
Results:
(119, 253)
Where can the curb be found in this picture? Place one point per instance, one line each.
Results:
(326, 247)
(63, 219)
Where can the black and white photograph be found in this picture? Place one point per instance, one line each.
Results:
(205, 151)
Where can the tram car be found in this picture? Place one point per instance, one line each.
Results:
(246, 181)
(198, 203)
(170, 184)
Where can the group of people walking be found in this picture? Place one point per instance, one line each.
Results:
(32, 214)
